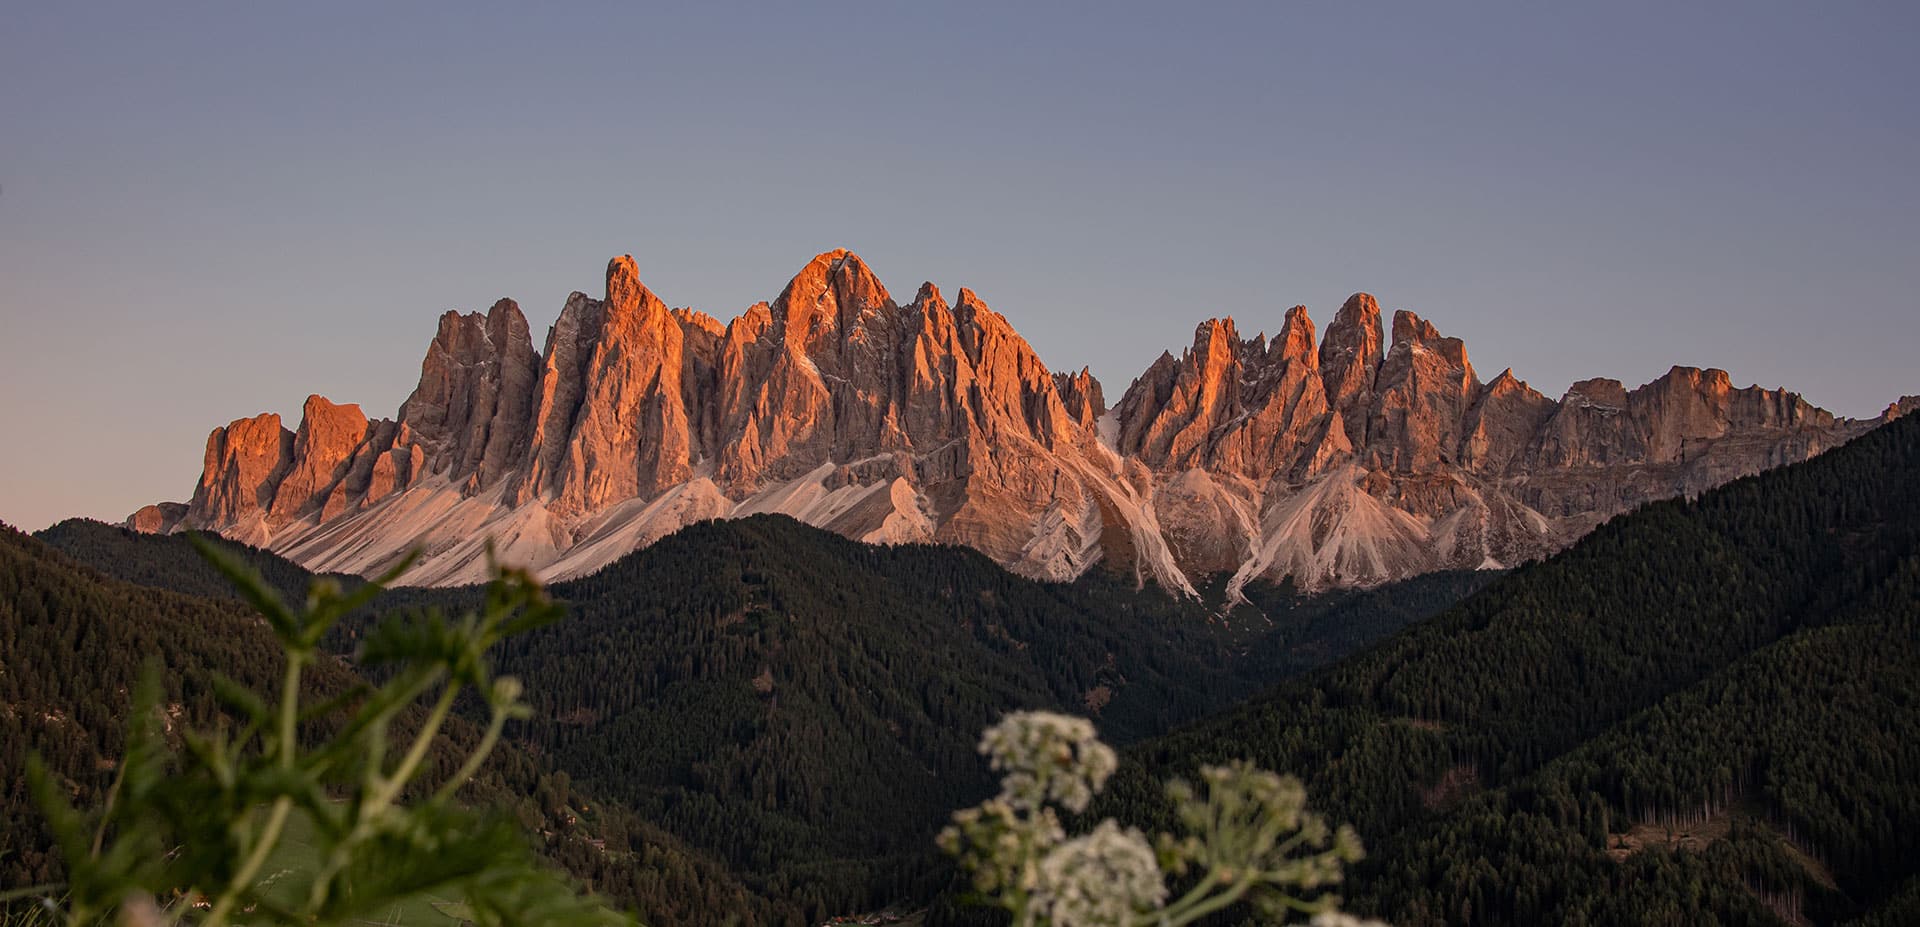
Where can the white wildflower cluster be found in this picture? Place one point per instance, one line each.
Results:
(1045, 757)
(1103, 878)
(1002, 845)
(1342, 919)
(1247, 837)
(1048, 757)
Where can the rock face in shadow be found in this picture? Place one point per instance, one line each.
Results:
(158, 518)
(1355, 460)
(473, 409)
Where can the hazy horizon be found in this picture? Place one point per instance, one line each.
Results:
(204, 217)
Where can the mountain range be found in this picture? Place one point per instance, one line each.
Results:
(1371, 454)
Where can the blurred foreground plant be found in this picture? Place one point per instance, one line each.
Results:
(186, 833)
(1247, 835)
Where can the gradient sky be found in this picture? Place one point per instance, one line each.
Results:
(210, 212)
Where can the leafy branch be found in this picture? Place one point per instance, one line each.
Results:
(186, 833)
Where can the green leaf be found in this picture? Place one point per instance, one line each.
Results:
(327, 605)
(242, 700)
(68, 825)
(246, 580)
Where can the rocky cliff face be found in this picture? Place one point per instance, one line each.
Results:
(1353, 461)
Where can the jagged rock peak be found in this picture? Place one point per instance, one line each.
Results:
(1081, 395)
(1708, 377)
(1355, 330)
(980, 322)
(969, 298)
(695, 319)
(473, 334)
(322, 448)
(1220, 328)
(470, 412)
(244, 463)
(1605, 392)
(1410, 329)
(626, 292)
(835, 288)
(1350, 355)
(503, 314)
(1295, 338)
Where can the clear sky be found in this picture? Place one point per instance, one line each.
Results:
(209, 212)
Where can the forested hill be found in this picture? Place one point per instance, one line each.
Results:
(1704, 713)
(170, 562)
(72, 642)
(808, 706)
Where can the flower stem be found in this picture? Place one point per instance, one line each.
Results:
(282, 806)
